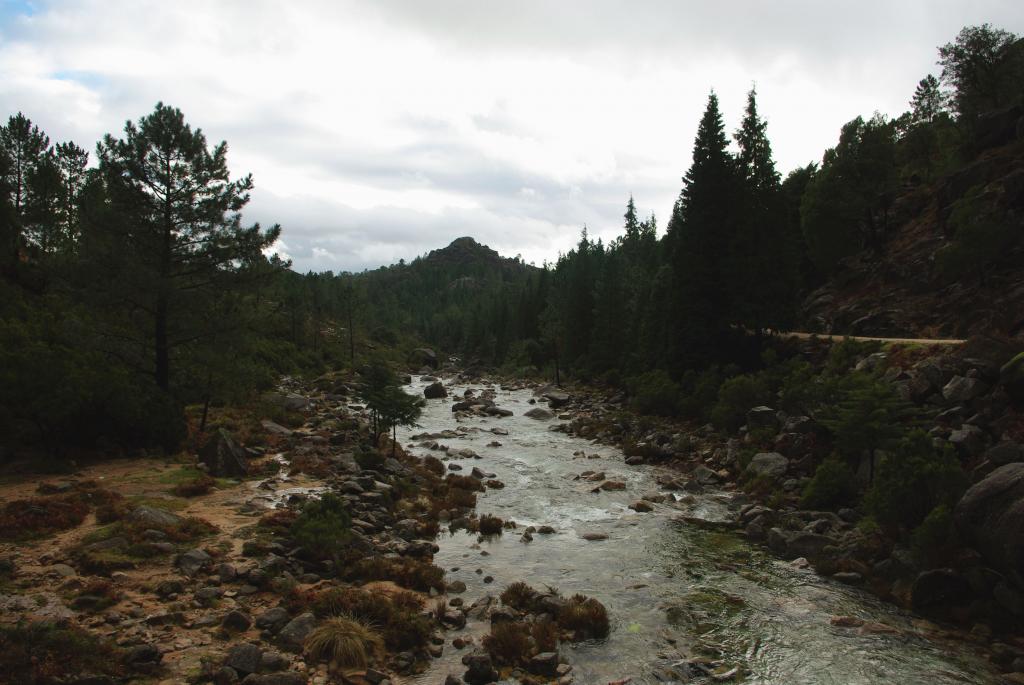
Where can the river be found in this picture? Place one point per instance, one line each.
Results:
(674, 590)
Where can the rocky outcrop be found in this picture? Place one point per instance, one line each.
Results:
(991, 517)
(223, 458)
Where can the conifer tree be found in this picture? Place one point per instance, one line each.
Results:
(179, 233)
(762, 270)
(700, 233)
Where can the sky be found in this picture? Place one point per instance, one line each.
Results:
(377, 131)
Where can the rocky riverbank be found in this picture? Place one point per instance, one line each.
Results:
(969, 399)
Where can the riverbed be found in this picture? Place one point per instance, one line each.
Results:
(676, 591)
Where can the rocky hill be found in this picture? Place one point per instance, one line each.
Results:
(901, 289)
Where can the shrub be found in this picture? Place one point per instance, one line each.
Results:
(40, 516)
(869, 415)
(397, 616)
(344, 642)
(413, 574)
(736, 397)
(200, 485)
(585, 617)
(654, 393)
(832, 486)
(47, 653)
(370, 460)
(490, 525)
(433, 465)
(519, 596)
(699, 393)
(464, 483)
(323, 527)
(912, 481)
(545, 635)
(509, 643)
(931, 540)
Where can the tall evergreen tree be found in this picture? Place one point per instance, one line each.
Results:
(762, 276)
(181, 236)
(699, 234)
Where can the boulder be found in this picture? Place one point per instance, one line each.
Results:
(762, 417)
(969, 440)
(244, 658)
(939, 590)
(154, 518)
(193, 561)
(768, 465)
(539, 414)
(544, 664)
(293, 635)
(237, 621)
(961, 389)
(223, 457)
(556, 398)
(1006, 452)
(991, 517)
(424, 356)
(435, 391)
(286, 678)
(273, 619)
(479, 669)
(1011, 376)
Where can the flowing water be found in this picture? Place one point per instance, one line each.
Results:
(674, 590)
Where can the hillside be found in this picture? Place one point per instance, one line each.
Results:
(902, 290)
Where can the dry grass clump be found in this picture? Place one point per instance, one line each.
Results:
(433, 465)
(509, 643)
(413, 574)
(464, 483)
(35, 517)
(490, 525)
(200, 485)
(95, 595)
(49, 653)
(545, 635)
(519, 596)
(279, 520)
(585, 617)
(344, 642)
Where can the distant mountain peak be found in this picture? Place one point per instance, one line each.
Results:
(464, 249)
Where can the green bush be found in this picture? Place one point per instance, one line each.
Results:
(323, 527)
(699, 393)
(654, 393)
(868, 415)
(736, 397)
(832, 486)
(931, 539)
(912, 481)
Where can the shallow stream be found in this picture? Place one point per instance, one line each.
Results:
(674, 590)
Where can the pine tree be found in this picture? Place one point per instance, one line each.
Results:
(699, 234)
(763, 276)
(928, 101)
(179, 233)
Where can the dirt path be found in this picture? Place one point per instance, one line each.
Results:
(863, 338)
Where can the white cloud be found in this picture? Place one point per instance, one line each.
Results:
(380, 130)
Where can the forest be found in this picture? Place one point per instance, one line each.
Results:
(134, 295)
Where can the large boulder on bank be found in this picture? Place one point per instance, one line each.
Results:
(1011, 376)
(435, 391)
(556, 398)
(767, 464)
(424, 356)
(223, 458)
(991, 517)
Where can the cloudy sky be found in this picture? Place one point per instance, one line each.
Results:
(380, 130)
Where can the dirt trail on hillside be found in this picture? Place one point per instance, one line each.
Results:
(866, 338)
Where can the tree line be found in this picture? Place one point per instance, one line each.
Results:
(130, 287)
